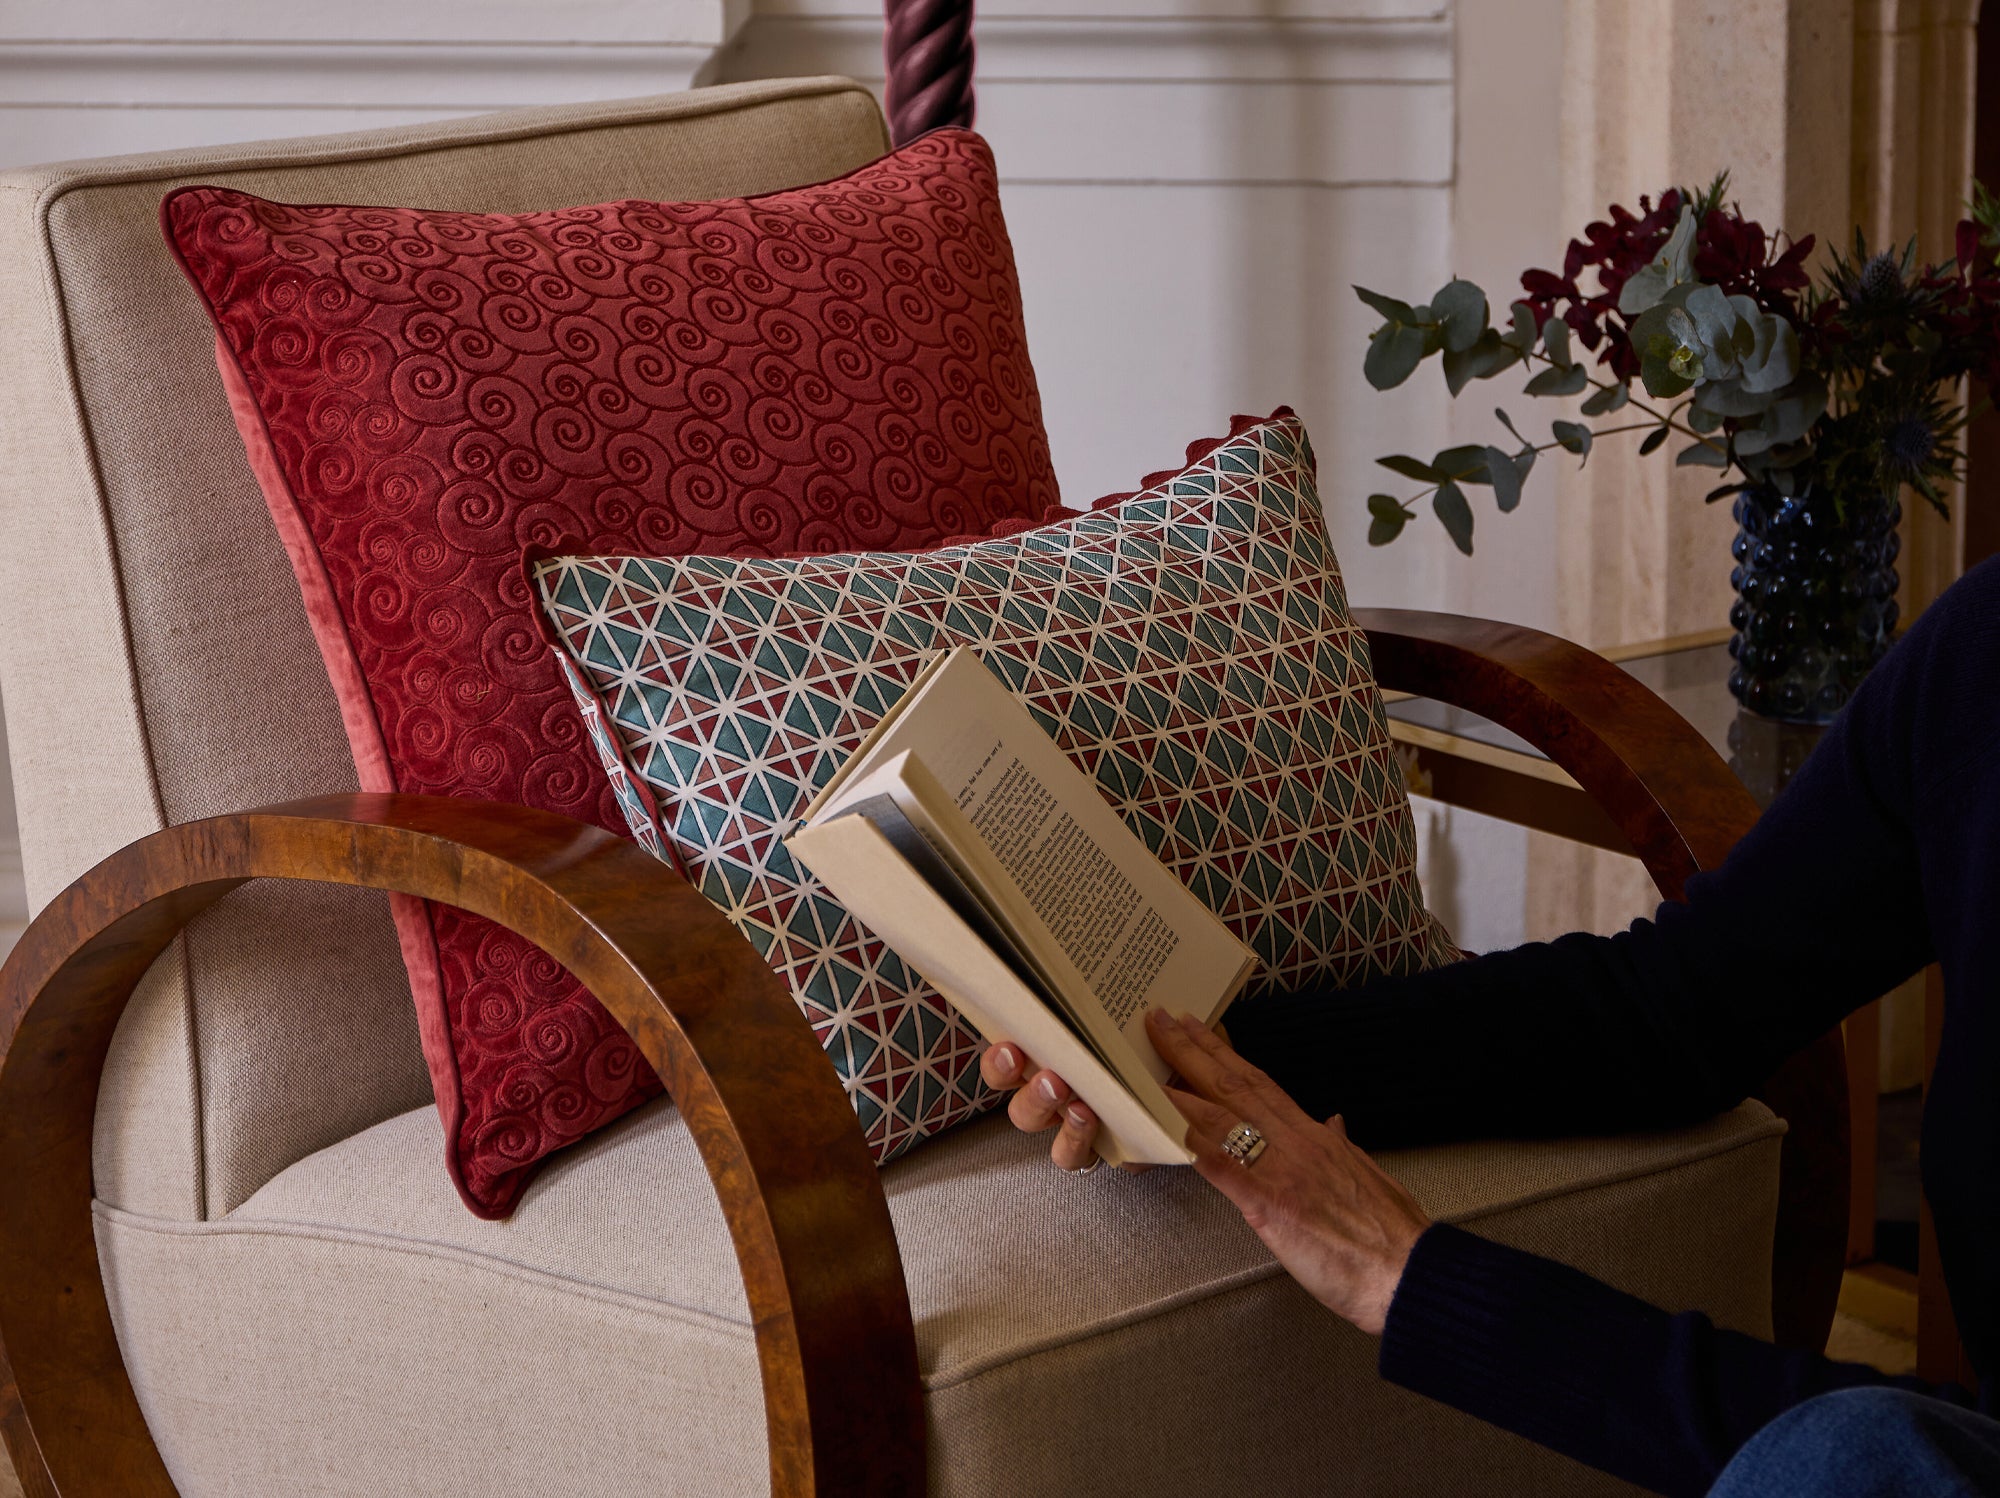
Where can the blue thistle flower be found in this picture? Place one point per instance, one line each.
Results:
(1909, 444)
(1881, 280)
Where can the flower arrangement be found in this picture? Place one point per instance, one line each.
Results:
(1843, 385)
(1817, 399)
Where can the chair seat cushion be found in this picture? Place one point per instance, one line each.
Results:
(351, 1328)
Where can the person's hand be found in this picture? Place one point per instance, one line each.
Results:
(1337, 1222)
(1041, 1101)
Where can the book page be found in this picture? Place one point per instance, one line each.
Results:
(1085, 896)
(1094, 911)
(857, 862)
(921, 853)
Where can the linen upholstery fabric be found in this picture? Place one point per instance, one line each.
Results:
(138, 691)
(1158, 1348)
(423, 393)
(1190, 648)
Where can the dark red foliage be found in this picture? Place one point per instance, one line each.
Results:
(1735, 254)
(1975, 256)
(1730, 252)
(1963, 304)
(1615, 249)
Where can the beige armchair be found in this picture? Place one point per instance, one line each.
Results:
(230, 1260)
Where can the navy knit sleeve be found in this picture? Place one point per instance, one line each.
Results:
(1875, 861)
(1551, 1354)
(1817, 911)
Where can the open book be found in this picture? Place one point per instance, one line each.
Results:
(966, 839)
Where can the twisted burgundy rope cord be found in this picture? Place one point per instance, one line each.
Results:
(928, 49)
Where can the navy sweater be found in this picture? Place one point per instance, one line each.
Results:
(1881, 856)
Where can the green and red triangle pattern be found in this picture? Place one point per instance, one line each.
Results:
(1191, 649)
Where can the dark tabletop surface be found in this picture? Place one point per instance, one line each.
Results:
(1695, 683)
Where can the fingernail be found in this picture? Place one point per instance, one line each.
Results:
(1007, 1057)
(1190, 1024)
(1078, 1119)
(1046, 1086)
(1159, 1019)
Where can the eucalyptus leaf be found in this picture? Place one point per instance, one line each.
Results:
(1654, 439)
(1461, 307)
(1774, 362)
(1704, 420)
(1508, 422)
(1756, 332)
(1525, 332)
(1558, 381)
(1381, 532)
(1573, 436)
(1387, 507)
(1388, 306)
(1713, 324)
(1669, 269)
(1729, 398)
(1794, 414)
(1642, 290)
(1721, 491)
(1702, 455)
(1393, 355)
(1555, 342)
(1467, 463)
(1661, 380)
(1484, 359)
(1505, 479)
(1450, 506)
(1604, 402)
(1412, 468)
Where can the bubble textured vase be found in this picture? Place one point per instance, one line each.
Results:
(1815, 609)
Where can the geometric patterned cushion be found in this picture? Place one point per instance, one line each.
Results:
(424, 393)
(1190, 648)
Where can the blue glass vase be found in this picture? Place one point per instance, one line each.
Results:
(1815, 599)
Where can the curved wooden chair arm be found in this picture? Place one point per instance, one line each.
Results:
(805, 1207)
(1682, 810)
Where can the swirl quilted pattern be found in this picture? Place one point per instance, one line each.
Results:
(424, 394)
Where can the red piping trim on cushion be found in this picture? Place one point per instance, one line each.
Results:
(1196, 451)
(532, 556)
(336, 646)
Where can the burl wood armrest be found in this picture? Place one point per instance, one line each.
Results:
(803, 1200)
(1682, 810)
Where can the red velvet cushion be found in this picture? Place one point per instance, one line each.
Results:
(423, 394)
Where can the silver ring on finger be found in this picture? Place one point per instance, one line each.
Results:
(1244, 1144)
(1080, 1170)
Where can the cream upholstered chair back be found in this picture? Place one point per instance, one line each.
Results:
(155, 662)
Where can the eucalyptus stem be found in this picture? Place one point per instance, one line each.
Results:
(1663, 418)
(1537, 448)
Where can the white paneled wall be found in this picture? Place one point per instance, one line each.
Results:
(1190, 188)
(102, 77)
(1191, 185)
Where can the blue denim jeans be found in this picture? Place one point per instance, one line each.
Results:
(1868, 1443)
